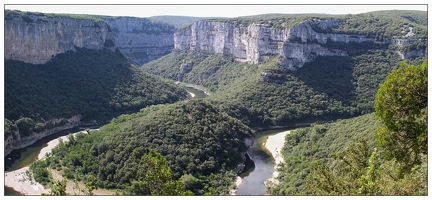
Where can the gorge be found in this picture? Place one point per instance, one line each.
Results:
(299, 43)
(133, 75)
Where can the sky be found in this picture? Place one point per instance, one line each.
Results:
(205, 10)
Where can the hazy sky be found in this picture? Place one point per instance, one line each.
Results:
(205, 10)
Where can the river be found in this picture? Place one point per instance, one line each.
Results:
(23, 157)
(198, 94)
(251, 180)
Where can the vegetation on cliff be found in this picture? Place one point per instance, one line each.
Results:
(98, 85)
(41, 17)
(381, 25)
(202, 145)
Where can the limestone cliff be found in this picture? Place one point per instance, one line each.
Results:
(36, 38)
(15, 141)
(297, 45)
(140, 39)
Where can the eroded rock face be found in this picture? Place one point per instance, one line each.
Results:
(256, 42)
(17, 142)
(37, 38)
(140, 39)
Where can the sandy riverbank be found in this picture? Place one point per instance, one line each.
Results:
(238, 182)
(275, 144)
(19, 181)
(192, 94)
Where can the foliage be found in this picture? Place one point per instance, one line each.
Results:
(320, 143)
(40, 173)
(266, 94)
(362, 170)
(59, 188)
(399, 166)
(90, 185)
(43, 16)
(154, 177)
(195, 137)
(97, 85)
(401, 104)
(383, 26)
(9, 127)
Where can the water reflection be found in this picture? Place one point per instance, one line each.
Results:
(253, 179)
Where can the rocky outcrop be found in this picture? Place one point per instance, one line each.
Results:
(16, 141)
(257, 41)
(244, 156)
(36, 38)
(184, 69)
(140, 39)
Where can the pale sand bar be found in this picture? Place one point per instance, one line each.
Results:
(275, 144)
(19, 181)
(192, 94)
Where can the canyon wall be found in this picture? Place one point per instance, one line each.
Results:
(15, 141)
(36, 39)
(255, 42)
(140, 39)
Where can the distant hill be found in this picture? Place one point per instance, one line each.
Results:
(176, 21)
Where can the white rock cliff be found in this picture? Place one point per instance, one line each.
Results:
(36, 39)
(140, 39)
(255, 42)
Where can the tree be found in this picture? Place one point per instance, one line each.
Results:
(401, 103)
(154, 177)
(351, 173)
(59, 188)
(90, 186)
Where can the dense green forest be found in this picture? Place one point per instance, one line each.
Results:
(98, 85)
(368, 114)
(363, 155)
(320, 142)
(266, 94)
(201, 143)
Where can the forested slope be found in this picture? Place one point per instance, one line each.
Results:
(320, 142)
(384, 154)
(202, 145)
(266, 94)
(96, 84)
(328, 87)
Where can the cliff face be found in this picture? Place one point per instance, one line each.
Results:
(37, 38)
(140, 39)
(16, 141)
(297, 45)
